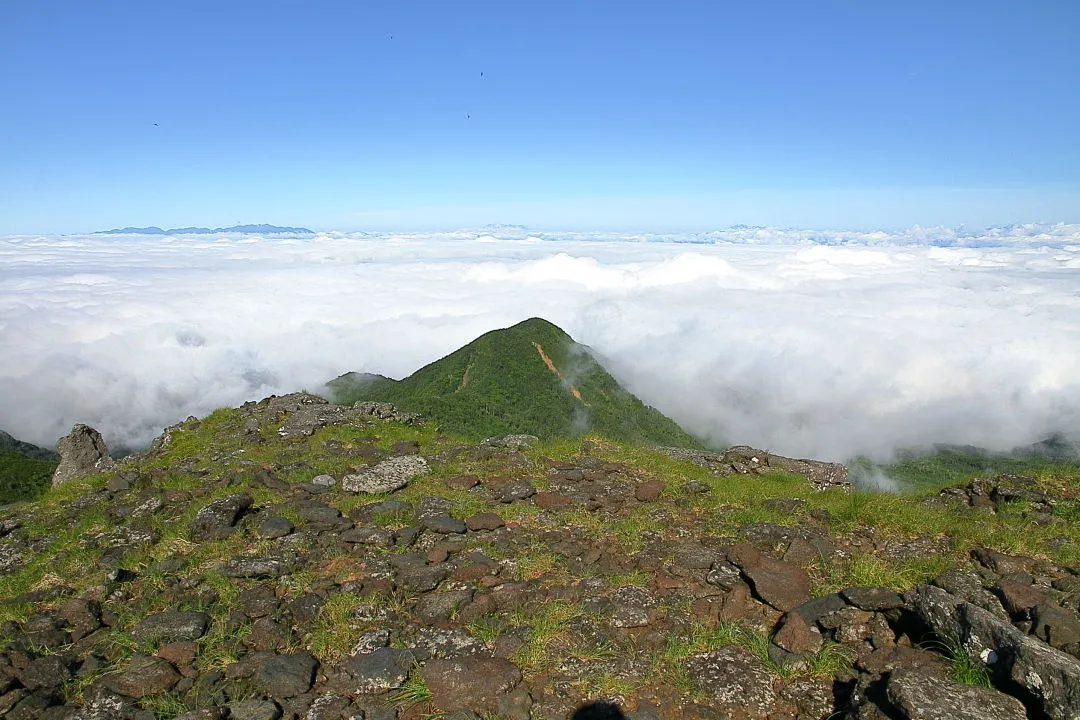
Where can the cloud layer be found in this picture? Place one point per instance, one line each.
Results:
(802, 342)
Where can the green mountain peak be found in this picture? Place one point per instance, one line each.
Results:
(530, 378)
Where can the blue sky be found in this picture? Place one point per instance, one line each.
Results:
(681, 115)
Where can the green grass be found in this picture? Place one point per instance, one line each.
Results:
(546, 632)
(335, 629)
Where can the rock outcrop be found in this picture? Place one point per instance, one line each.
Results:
(745, 460)
(82, 452)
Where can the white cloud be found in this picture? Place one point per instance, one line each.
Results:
(803, 342)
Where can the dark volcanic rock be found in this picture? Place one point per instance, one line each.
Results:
(286, 676)
(217, 519)
(872, 598)
(1049, 676)
(516, 490)
(274, 527)
(380, 670)
(82, 452)
(470, 683)
(144, 675)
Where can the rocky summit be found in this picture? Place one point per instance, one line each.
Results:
(297, 559)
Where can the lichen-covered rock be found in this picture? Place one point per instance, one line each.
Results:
(82, 452)
(387, 476)
(927, 697)
(733, 679)
(171, 627)
(217, 519)
(380, 670)
(1051, 677)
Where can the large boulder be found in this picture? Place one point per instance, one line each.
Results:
(82, 452)
(921, 696)
(1050, 677)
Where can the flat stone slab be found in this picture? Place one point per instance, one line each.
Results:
(387, 476)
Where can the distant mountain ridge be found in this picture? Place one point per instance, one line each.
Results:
(25, 469)
(530, 378)
(259, 229)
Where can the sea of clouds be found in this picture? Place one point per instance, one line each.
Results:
(806, 343)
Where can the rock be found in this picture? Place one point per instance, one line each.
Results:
(254, 709)
(449, 644)
(286, 676)
(470, 683)
(484, 521)
(798, 636)
(1051, 677)
(628, 616)
(325, 480)
(551, 501)
(274, 527)
(779, 584)
(1018, 597)
(82, 452)
(695, 556)
(724, 575)
(387, 476)
(381, 670)
(440, 607)
(928, 697)
(255, 567)
(872, 598)
(368, 536)
(170, 627)
(444, 524)
(1055, 625)
(422, 578)
(733, 680)
(516, 490)
(258, 602)
(217, 519)
(320, 513)
(1001, 563)
(743, 460)
(649, 490)
(216, 713)
(48, 671)
(967, 586)
(462, 482)
(144, 675)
